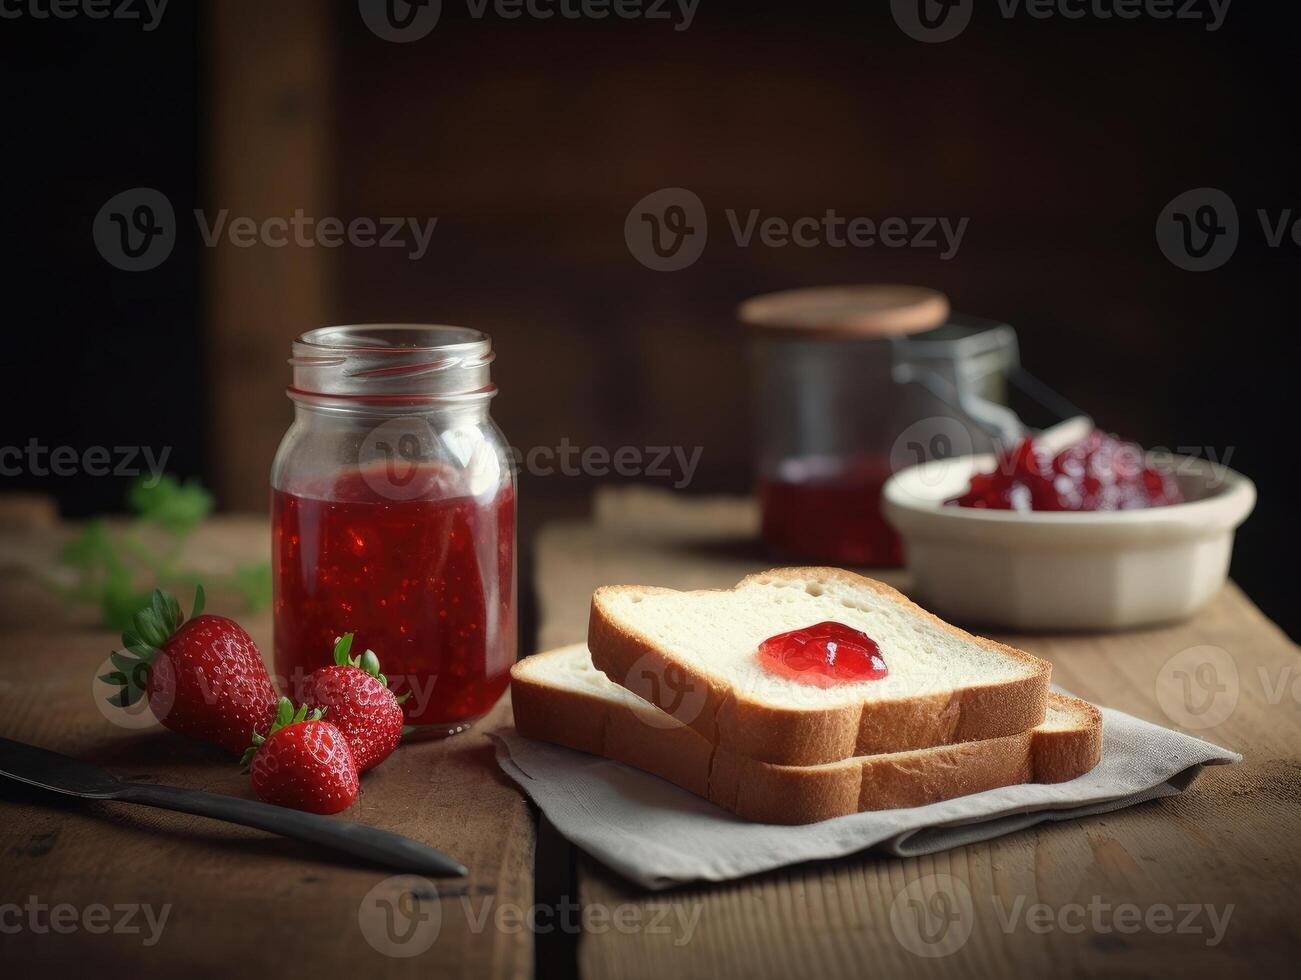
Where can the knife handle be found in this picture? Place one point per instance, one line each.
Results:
(370, 843)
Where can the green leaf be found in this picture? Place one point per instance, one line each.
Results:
(284, 713)
(135, 644)
(173, 611)
(200, 598)
(148, 627)
(342, 647)
(175, 506)
(402, 699)
(158, 602)
(109, 565)
(253, 583)
(90, 548)
(124, 663)
(116, 678)
(370, 663)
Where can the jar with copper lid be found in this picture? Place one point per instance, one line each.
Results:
(850, 384)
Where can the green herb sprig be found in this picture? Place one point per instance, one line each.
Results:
(117, 570)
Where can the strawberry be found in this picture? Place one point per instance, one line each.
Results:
(359, 703)
(303, 762)
(204, 677)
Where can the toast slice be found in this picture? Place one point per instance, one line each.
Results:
(560, 697)
(694, 655)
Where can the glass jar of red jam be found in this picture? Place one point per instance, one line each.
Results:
(851, 384)
(393, 517)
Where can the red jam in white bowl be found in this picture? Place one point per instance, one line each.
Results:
(1099, 473)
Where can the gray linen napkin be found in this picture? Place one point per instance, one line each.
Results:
(659, 835)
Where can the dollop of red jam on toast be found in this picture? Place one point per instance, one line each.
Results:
(823, 655)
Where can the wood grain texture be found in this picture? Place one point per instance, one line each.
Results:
(271, 134)
(1230, 842)
(242, 902)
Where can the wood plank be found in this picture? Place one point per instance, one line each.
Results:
(1230, 842)
(239, 898)
(272, 143)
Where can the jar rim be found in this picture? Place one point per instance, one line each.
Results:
(387, 363)
(380, 337)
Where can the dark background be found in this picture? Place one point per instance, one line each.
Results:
(1060, 139)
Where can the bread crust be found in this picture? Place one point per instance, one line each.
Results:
(1060, 756)
(812, 736)
(776, 794)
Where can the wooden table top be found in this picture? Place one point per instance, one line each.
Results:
(1200, 883)
(236, 898)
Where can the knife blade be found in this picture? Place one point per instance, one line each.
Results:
(55, 771)
(59, 773)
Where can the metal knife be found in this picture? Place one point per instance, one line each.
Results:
(71, 777)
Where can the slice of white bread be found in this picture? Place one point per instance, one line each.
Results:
(695, 655)
(560, 697)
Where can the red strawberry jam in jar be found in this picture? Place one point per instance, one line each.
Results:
(393, 517)
(825, 508)
(849, 385)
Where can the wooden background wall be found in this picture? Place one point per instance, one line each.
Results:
(529, 141)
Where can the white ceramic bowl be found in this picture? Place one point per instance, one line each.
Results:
(1066, 571)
